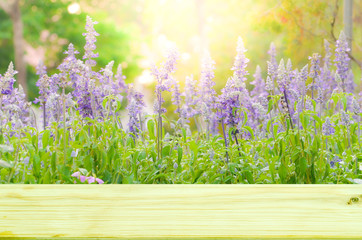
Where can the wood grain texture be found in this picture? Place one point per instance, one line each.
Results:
(181, 211)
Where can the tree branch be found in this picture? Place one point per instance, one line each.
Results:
(333, 22)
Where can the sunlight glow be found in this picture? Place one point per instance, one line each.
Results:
(74, 8)
(145, 78)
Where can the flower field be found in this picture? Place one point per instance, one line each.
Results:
(295, 126)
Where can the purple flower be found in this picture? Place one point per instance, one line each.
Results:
(269, 84)
(120, 83)
(134, 107)
(93, 179)
(314, 65)
(355, 106)
(349, 84)
(74, 153)
(273, 61)
(189, 109)
(41, 69)
(228, 103)
(163, 78)
(16, 109)
(47, 86)
(259, 84)
(7, 81)
(88, 179)
(335, 160)
(26, 160)
(281, 75)
(327, 127)
(207, 93)
(240, 62)
(90, 37)
(69, 67)
(328, 54)
(345, 119)
(176, 96)
(342, 59)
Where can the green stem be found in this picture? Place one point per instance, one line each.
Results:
(64, 128)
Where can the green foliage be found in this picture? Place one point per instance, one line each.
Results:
(48, 25)
(108, 153)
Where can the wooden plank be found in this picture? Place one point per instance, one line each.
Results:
(181, 211)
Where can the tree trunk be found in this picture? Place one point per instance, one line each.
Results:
(12, 8)
(348, 21)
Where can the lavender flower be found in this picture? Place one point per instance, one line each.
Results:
(240, 62)
(120, 80)
(345, 119)
(281, 75)
(328, 54)
(46, 85)
(134, 107)
(269, 84)
(41, 69)
(273, 53)
(355, 107)
(7, 81)
(162, 76)
(349, 84)
(69, 67)
(228, 103)
(342, 59)
(16, 109)
(327, 127)
(259, 85)
(314, 65)
(191, 98)
(90, 37)
(176, 96)
(335, 160)
(207, 93)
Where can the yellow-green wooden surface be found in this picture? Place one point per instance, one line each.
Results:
(181, 211)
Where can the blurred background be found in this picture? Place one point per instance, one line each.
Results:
(135, 34)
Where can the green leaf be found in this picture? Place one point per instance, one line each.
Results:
(303, 166)
(184, 134)
(179, 155)
(319, 121)
(45, 138)
(270, 105)
(245, 119)
(250, 130)
(166, 151)
(88, 163)
(249, 177)
(275, 130)
(151, 128)
(282, 171)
